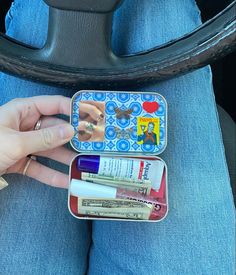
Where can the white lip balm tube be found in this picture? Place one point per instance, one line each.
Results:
(84, 189)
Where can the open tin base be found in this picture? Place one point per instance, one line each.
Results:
(99, 208)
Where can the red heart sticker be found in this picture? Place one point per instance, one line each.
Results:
(150, 107)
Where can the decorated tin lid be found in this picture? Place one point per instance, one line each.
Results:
(119, 122)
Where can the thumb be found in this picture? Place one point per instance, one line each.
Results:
(47, 138)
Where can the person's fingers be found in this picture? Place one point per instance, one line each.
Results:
(83, 133)
(60, 154)
(87, 127)
(44, 139)
(97, 132)
(90, 119)
(83, 136)
(52, 105)
(50, 121)
(23, 113)
(92, 110)
(99, 104)
(47, 175)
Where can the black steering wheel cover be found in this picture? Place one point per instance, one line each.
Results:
(212, 40)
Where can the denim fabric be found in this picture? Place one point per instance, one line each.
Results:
(38, 236)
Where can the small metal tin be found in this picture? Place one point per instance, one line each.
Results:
(118, 124)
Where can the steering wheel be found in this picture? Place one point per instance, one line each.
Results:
(71, 60)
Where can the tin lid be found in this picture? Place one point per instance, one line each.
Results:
(131, 123)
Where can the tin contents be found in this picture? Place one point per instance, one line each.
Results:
(113, 184)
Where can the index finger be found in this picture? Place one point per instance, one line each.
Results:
(99, 104)
(25, 112)
(52, 105)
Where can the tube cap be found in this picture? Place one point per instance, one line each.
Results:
(88, 163)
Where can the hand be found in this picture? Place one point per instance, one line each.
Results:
(92, 120)
(92, 110)
(88, 131)
(18, 139)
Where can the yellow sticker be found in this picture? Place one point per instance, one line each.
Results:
(148, 130)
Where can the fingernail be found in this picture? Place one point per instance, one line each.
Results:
(101, 117)
(66, 131)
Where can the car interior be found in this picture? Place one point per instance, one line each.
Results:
(223, 82)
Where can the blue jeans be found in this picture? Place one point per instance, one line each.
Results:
(37, 233)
